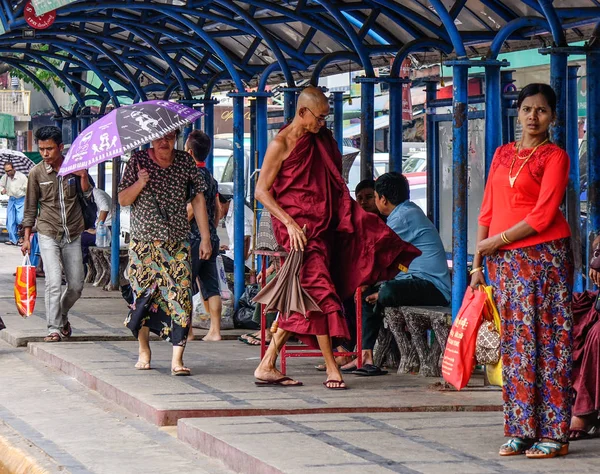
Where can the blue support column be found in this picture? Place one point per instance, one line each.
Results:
(209, 128)
(396, 126)
(238, 195)
(558, 81)
(574, 189)
(493, 114)
(460, 129)
(507, 84)
(367, 125)
(338, 119)
(593, 152)
(433, 155)
(289, 102)
(262, 136)
(253, 153)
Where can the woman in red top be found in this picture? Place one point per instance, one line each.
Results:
(525, 239)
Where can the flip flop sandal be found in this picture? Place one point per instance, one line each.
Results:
(339, 387)
(369, 370)
(54, 337)
(581, 434)
(142, 365)
(181, 371)
(549, 449)
(279, 382)
(516, 446)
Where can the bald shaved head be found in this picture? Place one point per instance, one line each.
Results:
(312, 96)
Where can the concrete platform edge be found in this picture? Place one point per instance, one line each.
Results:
(233, 458)
(108, 391)
(19, 456)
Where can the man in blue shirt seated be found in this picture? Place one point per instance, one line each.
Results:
(427, 281)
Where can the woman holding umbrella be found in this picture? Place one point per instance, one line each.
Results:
(157, 184)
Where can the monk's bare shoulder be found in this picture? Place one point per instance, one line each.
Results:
(279, 146)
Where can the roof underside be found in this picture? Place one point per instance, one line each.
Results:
(171, 48)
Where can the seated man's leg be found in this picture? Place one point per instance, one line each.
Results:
(409, 292)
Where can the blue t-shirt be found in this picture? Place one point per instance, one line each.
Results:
(413, 226)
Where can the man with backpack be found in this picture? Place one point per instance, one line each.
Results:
(54, 204)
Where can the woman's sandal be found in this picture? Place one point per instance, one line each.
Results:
(181, 371)
(514, 447)
(339, 384)
(548, 449)
(54, 337)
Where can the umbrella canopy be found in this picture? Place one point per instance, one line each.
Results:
(125, 129)
(284, 293)
(19, 160)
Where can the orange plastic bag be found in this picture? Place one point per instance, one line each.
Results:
(459, 356)
(25, 291)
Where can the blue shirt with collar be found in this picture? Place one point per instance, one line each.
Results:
(412, 225)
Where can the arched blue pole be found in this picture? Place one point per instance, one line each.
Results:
(512, 26)
(238, 195)
(574, 188)
(460, 129)
(593, 150)
(338, 119)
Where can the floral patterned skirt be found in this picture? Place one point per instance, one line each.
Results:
(160, 278)
(532, 290)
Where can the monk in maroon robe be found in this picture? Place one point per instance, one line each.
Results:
(585, 422)
(344, 247)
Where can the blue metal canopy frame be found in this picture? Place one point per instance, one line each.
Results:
(162, 49)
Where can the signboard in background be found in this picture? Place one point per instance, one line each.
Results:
(39, 22)
(45, 6)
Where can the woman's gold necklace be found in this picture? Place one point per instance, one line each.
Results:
(512, 179)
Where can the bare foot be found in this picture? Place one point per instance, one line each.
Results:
(210, 337)
(335, 380)
(272, 375)
(190, 336)
(350, 365)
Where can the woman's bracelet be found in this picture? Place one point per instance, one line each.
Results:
(475, 270)
(505, 238)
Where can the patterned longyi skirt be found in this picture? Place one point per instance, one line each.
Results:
(532, 290)
(160, 278)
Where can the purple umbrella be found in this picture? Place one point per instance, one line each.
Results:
(125, 129)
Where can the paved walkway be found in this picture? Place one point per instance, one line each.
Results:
(79, 407)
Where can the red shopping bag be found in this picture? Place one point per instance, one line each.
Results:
(25, 291)
(459, 356)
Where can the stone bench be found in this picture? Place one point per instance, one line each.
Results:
(98, 266)
(408, 327)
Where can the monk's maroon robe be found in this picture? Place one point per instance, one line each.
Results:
(586, 354)
(347, 247)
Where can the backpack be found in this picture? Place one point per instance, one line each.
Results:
(89, 209)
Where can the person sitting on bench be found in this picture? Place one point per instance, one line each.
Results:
(427, 282)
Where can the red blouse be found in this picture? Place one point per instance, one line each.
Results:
(535, 197)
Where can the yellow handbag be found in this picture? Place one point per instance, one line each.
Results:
(493, 372)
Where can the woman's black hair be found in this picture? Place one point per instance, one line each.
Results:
(535, 89)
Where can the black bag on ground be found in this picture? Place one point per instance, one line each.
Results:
(242, 319)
